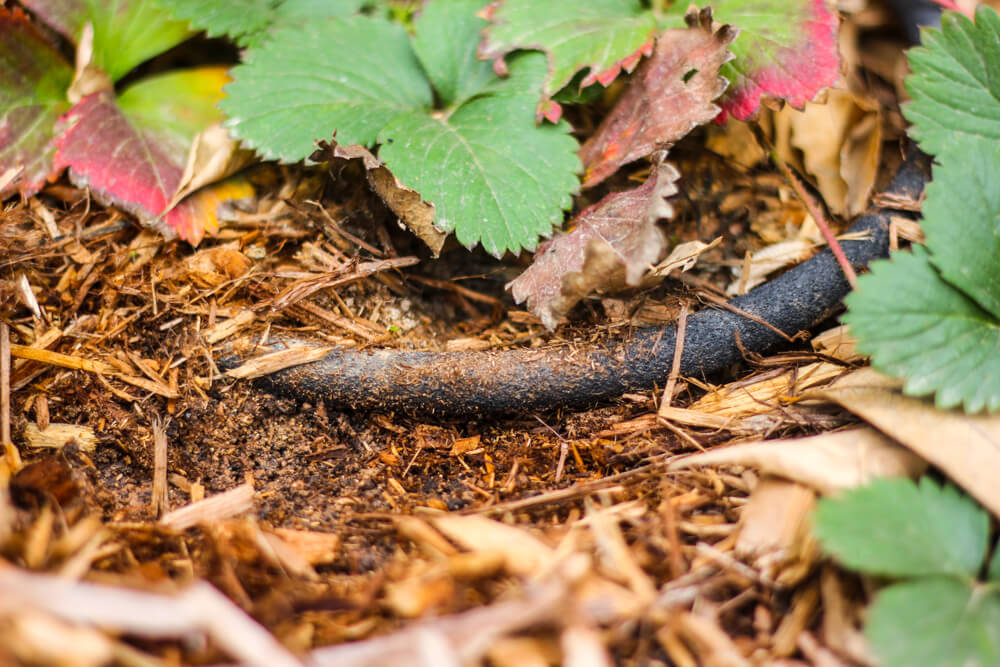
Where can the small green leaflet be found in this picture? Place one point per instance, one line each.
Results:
(247, 21)
(935, 622)
(955, 83)
(493, 175)
(937, 536)
(896, 528)
(917, 326)
(603, 36)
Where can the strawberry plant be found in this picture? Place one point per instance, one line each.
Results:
(942, 608)
(464, 133)
(129, 149)
(933, 316)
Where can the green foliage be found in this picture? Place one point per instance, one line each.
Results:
(933, 317)
(936, 539)
(955, 83)
(494, 176)
(247, 21)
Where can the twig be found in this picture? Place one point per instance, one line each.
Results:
(820, 220)
(12, 456)
(675, 368)
(158, 500)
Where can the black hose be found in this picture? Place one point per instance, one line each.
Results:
(509, 381)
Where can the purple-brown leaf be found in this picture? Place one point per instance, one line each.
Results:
(670, 94)
(612, 245)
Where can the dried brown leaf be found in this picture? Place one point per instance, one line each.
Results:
(413, 211)
(670, 94)
(613, 244)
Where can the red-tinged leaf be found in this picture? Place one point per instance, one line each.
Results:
(33, 82)
(612, 245)
(787, 50)
(669, 95)
(129, 167)
(126, 32)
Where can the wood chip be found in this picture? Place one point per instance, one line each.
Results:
(220, 506)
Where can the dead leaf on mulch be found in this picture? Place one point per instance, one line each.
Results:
(670, 94)
(965, 447)
(613, 244)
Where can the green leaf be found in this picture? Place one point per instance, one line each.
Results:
(351, 75)
(32, 97)
(126, 32)
(494, 176)
(935, 622)
(962, 220)
(599, 35)
(246, 21)
(895, 528)
(445, 43)
(955, 83)
(917, 326)
(993, 571)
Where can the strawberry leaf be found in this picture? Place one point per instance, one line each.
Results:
(935, 621)
(612, 245)
(896, 528)
(131, 158)
(32, 97)
(670, 94)
(965, 180)
(126, 33)
(451, 64)
(955, 83)
(787, 50)
(603, 36)
(353, 75)
(247, 21)
(916, 325)
(492, 174)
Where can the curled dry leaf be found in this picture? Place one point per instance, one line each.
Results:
(670, 94)
(829, 463)
(612, 245)
(413, 211)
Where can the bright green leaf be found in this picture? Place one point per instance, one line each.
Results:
(962, 220)
(246, 21)
(32, 97)
(494, 176)
(919, 327)
(447, 33)
(351, 75)
(955, 83)
(126, 32)
(993, 571)
(936, 622)
(895, 528)
(599, 35)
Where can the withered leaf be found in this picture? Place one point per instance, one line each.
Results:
(670, 94)
(612, 245)
(417, 214)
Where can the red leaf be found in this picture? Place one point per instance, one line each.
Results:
(664, 100)
(127, 167)
(794, 73)
(612, 245)
(33, 82)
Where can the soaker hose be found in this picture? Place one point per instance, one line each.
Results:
(509, 381)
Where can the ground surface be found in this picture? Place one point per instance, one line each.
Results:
(364, 526)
